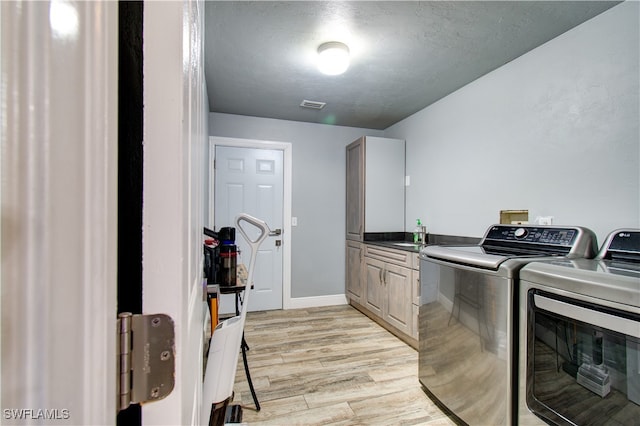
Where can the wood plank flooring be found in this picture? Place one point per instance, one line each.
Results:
(330, 366)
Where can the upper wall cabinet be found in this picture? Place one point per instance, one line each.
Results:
(375, 186)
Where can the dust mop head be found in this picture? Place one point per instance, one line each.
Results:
(595, 378)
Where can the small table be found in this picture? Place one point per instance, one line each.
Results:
(241, 284)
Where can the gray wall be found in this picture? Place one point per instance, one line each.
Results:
(318, 194)
(554, 131)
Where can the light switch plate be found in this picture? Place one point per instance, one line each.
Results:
(294, 221)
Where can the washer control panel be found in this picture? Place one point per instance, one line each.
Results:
(556, 236)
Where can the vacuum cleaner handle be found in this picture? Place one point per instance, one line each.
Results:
(260, 224)
(241, 219)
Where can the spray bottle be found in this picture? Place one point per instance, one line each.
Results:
(417, 232)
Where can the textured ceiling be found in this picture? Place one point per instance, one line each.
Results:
(259, 56)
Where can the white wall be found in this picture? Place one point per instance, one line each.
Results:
(554, 131)
(318, 194)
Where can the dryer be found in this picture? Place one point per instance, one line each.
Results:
(580, 337)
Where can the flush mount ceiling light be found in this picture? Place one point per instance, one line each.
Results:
(333, 58)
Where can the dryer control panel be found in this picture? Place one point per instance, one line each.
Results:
(622, 244)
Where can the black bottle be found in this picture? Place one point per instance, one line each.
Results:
(228, 256)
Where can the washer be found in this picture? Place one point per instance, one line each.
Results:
(468, 316)
(580, 331)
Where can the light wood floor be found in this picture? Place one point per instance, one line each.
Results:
(330, 366)
(584, 407)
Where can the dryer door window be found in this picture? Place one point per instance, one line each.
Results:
(582, 361)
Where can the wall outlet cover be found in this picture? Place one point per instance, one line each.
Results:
(545, 220)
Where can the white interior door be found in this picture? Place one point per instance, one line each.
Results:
(251, 180)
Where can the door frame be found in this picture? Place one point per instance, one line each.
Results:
(175, 138)
(287, 148)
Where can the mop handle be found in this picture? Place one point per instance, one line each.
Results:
(254, 244)
(260, 224)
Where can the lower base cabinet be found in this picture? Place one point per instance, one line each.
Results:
(354, 282)
(388, 291)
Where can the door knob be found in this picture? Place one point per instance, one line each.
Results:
(275, 232)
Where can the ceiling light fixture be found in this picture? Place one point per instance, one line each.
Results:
(333, 58)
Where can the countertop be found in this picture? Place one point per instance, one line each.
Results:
(398, 245)
(403, 240)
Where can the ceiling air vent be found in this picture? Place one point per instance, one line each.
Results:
(312, 104)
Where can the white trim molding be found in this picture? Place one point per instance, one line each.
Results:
(317, 301)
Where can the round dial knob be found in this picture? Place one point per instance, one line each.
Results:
(520, 233)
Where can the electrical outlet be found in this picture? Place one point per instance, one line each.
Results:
(545, 220)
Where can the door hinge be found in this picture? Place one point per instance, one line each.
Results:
(146, 364)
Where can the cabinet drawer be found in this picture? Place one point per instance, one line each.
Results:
(396, 257)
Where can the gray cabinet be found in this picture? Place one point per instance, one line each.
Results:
(375, 186)
(415, 293)
(398, 312)
(355, 190)
(389, 287)
(354, 281)
(374, 285)
(380, 282)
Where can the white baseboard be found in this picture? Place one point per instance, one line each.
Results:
(316, 301)
(227, 304)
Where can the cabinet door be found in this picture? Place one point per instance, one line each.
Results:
(354, 280)
(415, 297)
(416, 310)
(374, 290)
(415, 290)
(355, 190)
(398, 287)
